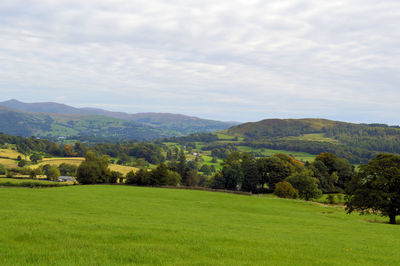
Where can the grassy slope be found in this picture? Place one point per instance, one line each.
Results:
(302, 156)
(108, 225)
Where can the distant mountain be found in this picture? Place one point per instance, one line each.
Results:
(52, 119)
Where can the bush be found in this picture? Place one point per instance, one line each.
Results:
(331, 199)
(3, 170)
(22, 163)
(285, 190)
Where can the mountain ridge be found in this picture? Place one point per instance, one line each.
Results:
(50, 119)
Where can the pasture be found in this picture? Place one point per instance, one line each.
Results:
(78, 160)
(302, 156)
(114, 224)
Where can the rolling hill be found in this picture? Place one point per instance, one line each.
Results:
(355, 142)
(54, 119)
(165, 124)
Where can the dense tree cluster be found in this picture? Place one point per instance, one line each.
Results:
(242, 171)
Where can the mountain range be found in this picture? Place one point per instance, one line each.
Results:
(50, 119)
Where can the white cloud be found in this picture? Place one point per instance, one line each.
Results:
(231, 60)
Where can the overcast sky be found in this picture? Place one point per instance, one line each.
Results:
(227, 60)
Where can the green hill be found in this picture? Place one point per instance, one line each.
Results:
(111, 225)
(355, 142)
(22, 123)
(77, 121)
(27, 124)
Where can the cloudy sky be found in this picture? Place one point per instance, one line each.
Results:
(229, 60)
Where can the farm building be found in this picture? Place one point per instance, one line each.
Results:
(66, 179)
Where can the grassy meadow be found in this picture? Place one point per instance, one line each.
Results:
(109, 225)
(302, 156)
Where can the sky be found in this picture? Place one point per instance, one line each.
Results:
(225, 60)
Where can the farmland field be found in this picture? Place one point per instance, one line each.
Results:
(108, 225)
(9, 163)
(302, 156)
(78, 160)
(9, 153)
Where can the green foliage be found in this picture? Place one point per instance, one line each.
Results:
(306, 184)
(94, 169)
(192, 179)
(3, 170)
(53, 173)
(22, 163)
(206, 169)
(10, 182)
(331, 199)
(251, 176)
(115, 176)
(35, 158)
(67, 169)
(140, 178)
(285, 190)
(376, 187)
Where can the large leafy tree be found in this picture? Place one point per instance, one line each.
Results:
(376, 188)
(251, 178)
(306, 184)
(94, 169)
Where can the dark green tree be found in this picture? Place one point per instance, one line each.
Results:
(159, 176)
(232, 171)
(182, 168)
(114, 177)
(251, 177)
(376, 188)
(333, 163)
(192, 179)
(218, 181)
(22, 163)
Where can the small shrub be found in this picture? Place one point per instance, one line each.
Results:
(285, 190)
(331, 199)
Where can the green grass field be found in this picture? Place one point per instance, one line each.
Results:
(302, 156)
(314, 137)
(111, 225)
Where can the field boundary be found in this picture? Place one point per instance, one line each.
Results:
(199, 188)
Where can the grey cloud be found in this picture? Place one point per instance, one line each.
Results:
(231, 60)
